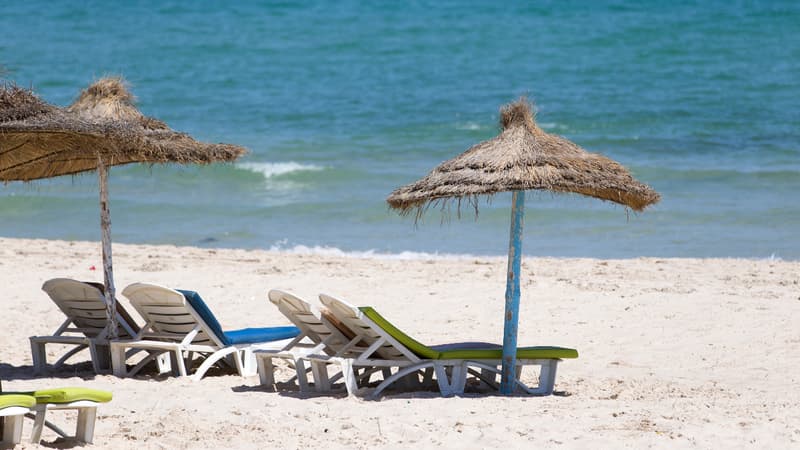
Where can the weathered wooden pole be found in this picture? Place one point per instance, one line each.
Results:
(108, 271)
(509, 375)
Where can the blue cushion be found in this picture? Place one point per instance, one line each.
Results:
(256, 335)
(244, 336)
(208, 317)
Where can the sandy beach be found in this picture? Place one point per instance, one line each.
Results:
(694, 353)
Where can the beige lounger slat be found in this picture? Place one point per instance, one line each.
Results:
(174, 310)
(92, 322)
(173, 326)
(84, 306)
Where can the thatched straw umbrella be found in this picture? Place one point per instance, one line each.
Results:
(102, 128)
(522, 157)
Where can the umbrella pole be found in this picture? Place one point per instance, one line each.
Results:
(108, 272)
(508, 376)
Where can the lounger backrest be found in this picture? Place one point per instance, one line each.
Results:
(351, 317)
(301, 314)
(309, 320)
(169, 314)
(84, 304)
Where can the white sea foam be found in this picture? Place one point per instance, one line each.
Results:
(468, 126)
(553, 126)
(270, 170)
(283, 247)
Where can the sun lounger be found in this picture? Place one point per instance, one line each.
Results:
(390, 347)
(13, 408)
(179, 323)
(84, 400)
(20, 404)
(85, 326)
(319, 335)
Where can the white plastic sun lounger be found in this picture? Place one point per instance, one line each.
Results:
(390, 347)
(15, 406)
(179, 323)
(85, 326)
(318, 336)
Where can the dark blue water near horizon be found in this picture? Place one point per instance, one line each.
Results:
(340, 103)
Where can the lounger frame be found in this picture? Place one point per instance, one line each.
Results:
(317, 337)
(385, 351)
(172, 326)
(85, 326)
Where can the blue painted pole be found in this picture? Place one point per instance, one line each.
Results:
(508, 375)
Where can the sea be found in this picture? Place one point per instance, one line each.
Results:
(341, 102)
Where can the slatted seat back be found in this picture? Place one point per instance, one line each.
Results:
(301, 314)
(168, 315)
(84, 305)
(351, 317)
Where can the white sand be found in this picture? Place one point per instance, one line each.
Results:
(674, 352)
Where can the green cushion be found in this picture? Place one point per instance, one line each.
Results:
(71, 394)
(522, 353)
(9, 400)
(454, 352)
(419, 349)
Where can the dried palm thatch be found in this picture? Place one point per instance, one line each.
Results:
(102, 128)
(523, 157)
(38, 140)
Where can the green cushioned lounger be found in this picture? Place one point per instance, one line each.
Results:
(384, 346)
(84, 400)
(465, 352)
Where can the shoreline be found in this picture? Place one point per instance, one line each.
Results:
(335, 252)
(673, 352)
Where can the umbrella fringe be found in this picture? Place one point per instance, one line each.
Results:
(102, 122)
(523, 158)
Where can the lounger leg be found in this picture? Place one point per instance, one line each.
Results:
(445, 385)
(266, 371)
(162, 362)
(459, 378)
(349, 376)
(84, 432)
(320, 371)
(118, 366)
(100, 357)
(240, 362)
(38, 423)
(39, 357)
(248, 363)
(12, 429)
(302, 378)
(177, 363)
(547, 378)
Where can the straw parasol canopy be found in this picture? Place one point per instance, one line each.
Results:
(102, 128)
(522, 157)
(39, 140)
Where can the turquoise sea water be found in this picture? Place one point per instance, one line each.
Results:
(341, 102)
